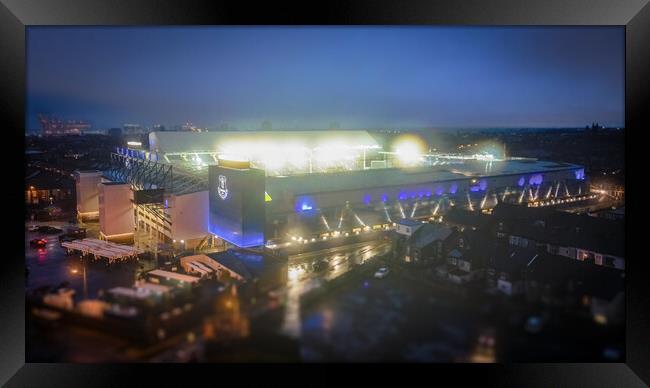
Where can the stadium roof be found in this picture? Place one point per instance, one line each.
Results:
(371, 178)
(180, 142)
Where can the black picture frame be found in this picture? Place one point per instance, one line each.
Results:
(16, 15)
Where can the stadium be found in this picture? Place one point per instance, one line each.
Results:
(257, 188)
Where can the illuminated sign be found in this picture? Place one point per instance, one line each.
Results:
(304, 203)
(222, 189)
(237, 205)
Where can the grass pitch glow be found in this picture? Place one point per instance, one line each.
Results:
(278, 156)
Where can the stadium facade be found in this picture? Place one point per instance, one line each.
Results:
(263, 187)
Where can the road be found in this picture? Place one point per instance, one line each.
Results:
(601, 204)
(303, 277)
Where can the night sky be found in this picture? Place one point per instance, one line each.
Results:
(305, 78)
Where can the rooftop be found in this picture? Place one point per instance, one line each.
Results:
(467, 218)
(429, 233)
(174, 276)
(586, 278)
(278, 186)
(409, 222)
(248, 265)
(46, 180)
(176, 142)
(512, 260)
(562, 228)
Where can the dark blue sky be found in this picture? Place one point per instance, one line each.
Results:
(306, 77)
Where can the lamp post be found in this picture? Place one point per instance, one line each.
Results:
(75, 271)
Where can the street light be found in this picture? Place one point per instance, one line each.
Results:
(75, 271)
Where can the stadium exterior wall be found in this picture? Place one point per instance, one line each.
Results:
(295, 195)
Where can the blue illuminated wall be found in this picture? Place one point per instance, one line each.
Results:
(536, 180)
(238, 214)
(386, 193)
(479, 186)
(305, 203)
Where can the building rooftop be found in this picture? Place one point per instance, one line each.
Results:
(47, 180)
(174, 276)
(585, 278)
(131, 292)
(408, 222)
(363, 179)
(180, 142)
(562, 228)
(428, 233)
(467, 218)
(247, 265)
(512, 260)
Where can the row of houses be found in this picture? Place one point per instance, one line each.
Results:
(488, 250)
(595, 240)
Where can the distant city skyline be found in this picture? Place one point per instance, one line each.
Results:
(314, 77)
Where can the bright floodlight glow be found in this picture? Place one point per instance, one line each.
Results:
(134, 143)
(233, 158)
(293, 154)
(491, 150)
(409, 149)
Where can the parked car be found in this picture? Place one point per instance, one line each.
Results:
(38, 242)
(63, 239)
(274, 295)
(381, 273)
(73, 234)
(320, 265)
(49, 229)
